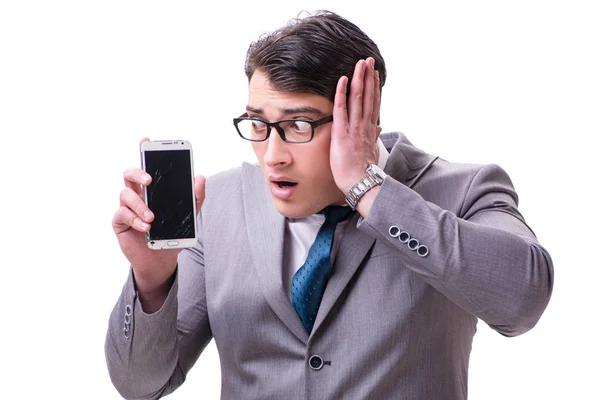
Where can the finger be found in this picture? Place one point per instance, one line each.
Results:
(131, 200)
(145, 139)
(200, 190)
(376, 100)
(135, 178)
(355, 104)
(369, 89)
(125, 218)
(340, 105)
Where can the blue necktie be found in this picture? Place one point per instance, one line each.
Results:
(308, 283)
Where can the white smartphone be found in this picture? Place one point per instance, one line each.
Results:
(170, 195)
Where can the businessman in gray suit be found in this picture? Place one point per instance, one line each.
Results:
(345, 264)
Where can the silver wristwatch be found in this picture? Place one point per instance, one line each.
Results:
(374, 177)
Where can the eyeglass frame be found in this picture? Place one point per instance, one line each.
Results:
(279, 129)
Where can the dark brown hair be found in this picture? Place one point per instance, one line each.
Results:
(310, 54)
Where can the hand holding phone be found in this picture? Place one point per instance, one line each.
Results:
(152, 269)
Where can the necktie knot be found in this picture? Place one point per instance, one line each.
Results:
(336, 214)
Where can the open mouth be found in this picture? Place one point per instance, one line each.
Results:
(282, 189)
(285, 184)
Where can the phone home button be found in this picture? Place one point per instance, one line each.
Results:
(172, 243)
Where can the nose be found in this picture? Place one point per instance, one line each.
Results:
(277, 153)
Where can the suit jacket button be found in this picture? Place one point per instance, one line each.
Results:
(422, 250)
(315, 362)
(413, 244)
(403, 236)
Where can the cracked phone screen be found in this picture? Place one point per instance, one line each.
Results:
(170, 194)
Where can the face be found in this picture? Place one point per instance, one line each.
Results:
(305, 165)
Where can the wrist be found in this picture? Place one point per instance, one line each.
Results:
(372, 177)
(363, 207)
(152, 291)
(351, 180)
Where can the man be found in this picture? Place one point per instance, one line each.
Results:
(409, 250)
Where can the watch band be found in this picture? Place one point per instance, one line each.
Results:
(374, 177)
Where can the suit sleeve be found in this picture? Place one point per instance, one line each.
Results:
(149, 355)
(487, 260)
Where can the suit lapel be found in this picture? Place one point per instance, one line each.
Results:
(405, 160)
(353, 249)
(355, 244)
(266, 229)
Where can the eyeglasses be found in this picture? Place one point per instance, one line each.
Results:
(290, 130)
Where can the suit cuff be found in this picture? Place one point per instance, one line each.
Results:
(395, 217)
(385, 208)
(165, 316)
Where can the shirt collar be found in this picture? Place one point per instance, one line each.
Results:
(383, 154)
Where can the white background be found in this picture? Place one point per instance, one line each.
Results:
(514, 83)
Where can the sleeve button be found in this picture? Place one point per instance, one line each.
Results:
(423, 251)
(413, 244)
(404, 237)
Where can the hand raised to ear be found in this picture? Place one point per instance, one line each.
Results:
(355, 131)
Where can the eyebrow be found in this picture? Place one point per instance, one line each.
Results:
(289, 111)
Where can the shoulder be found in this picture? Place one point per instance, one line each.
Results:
(449, 184)
(224, 184)
(412, 158)
(224, 178)
(466, 173)
(227, 186)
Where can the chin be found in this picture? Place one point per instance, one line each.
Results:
(296, 209)
(291, 210)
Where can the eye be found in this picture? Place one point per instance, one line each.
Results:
(258, 125)
(301, 126)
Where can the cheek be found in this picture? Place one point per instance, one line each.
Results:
(316, 162)
(321, 156)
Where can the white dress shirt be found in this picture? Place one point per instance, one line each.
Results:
(300, 233)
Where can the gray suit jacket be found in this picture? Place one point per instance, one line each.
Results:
(392, 324)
